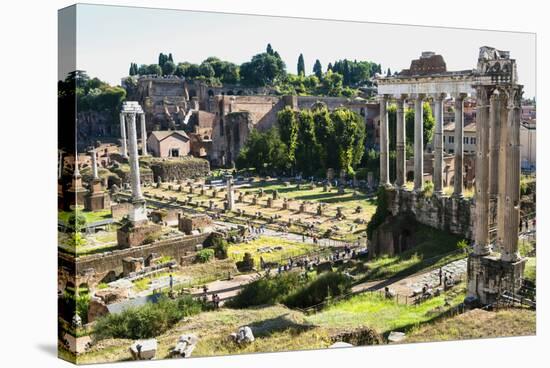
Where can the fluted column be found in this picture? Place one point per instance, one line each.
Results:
(494, 143)
(400, 143)
(134, 159)
(502, 168)
(124, 149)
(511, 204)
(459, 146)
(384, 142)
(438, 144)
(143, 134)
(481, 241)
(418, 143)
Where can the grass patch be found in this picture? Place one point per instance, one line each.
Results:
(530, 272)
(375, 311)
(288, 249)
(477, 324)
(434, 249)
(91, 216)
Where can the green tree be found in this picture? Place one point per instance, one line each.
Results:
(306, 150)
(263, 69)
(429, 124)
(154, 69)
(264, 152)
(331, 84)
(269, 49)
(288, 130)
(324, 136)
(318, 69)
(168, 68)
(207, 70)
(349, 136)
(301, 65)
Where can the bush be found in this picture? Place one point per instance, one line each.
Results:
(463, 245)
(205, 255)
(220, 247)
(328, 285)
(149, 320)
(246, 264)
(381, 212)
(268, 290)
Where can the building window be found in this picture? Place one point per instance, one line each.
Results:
(451, 139)
(473, 140)
(451, 151)
(174, 152)
(465, 140)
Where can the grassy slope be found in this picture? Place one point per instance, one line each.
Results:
(432, 251)
(290, 249)
(383, 315)
(478, 324)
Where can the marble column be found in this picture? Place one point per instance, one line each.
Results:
(438, 144)
(143, 135)
(494, 143)
(418, 143)
(384, 142)
(512, 204)
(459, 146)
(124, 149)
(481, 237)
(502, 169)
(230, 193)
(134, 159)
(400, 143)
(95, 174)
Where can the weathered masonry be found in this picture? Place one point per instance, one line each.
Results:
(494, 84)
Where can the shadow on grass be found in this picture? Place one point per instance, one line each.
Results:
(277, 324)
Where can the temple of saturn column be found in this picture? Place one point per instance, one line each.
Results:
(493, 83)
(130, 109)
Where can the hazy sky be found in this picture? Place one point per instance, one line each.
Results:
(110, 37)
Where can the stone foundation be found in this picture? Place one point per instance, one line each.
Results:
(451, 214)
(198, 223)
(133, 236)
(489, 277)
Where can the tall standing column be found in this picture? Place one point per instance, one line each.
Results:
(94, 164)
(124, 152)
(134, 159)
(400, 143)
(143, 135)
(459, 146)
(494, 143)
(438, 144)
(384, 143)
(502, 169)
(418, 143)
(511, 203)
(482, 245)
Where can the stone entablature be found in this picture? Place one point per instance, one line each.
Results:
(448, 83)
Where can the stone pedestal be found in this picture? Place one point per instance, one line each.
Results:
(133, 236)
(489, 277)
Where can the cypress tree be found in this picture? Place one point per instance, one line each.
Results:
(301, 65)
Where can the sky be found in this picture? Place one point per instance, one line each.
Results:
(110, 37)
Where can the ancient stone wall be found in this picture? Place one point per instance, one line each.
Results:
(112, 261)
(180, 169)
(455, 215)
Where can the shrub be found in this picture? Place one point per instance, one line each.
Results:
(268, 290)
(246, 264)
(428, 190)
(463, 245)
(328, 285)
(381, 212)
(220, 247)
(146, 321)
(205, 255)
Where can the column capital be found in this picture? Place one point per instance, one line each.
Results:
(383, 97)
(439, 96)
(402, 96)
